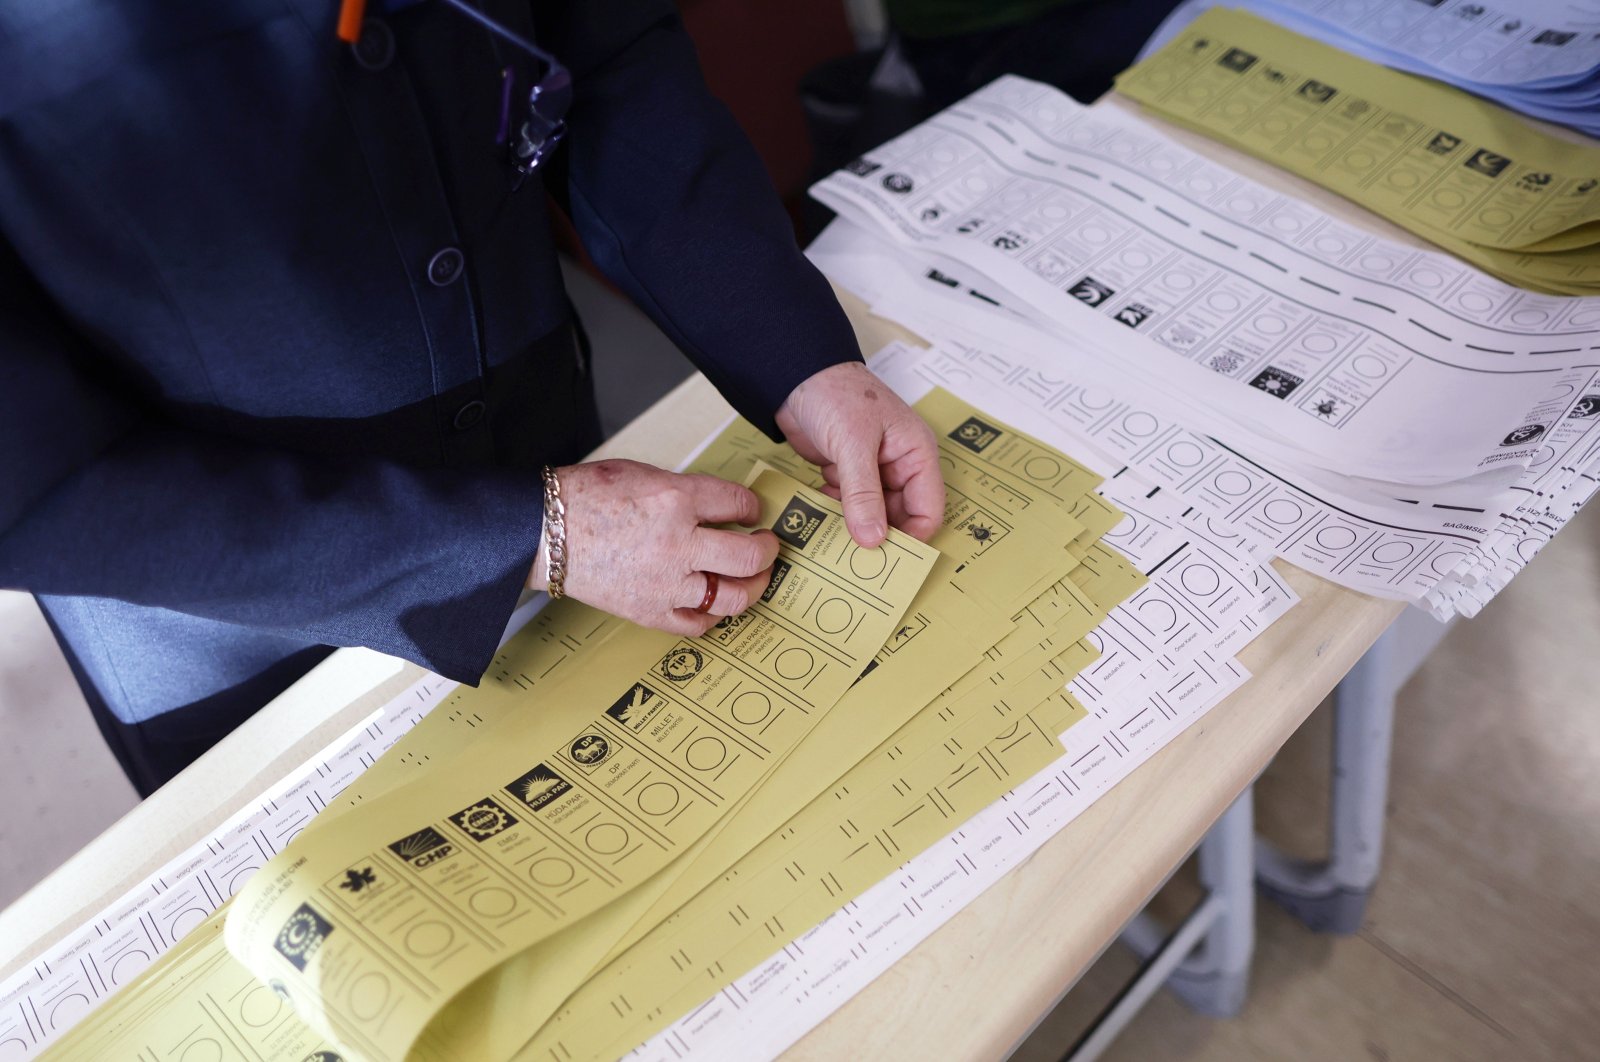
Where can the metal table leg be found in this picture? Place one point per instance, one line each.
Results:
(1330, 896)
(1206, 960)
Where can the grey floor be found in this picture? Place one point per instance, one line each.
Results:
(1481, 939)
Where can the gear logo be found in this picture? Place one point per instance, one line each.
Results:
(302, 935)
(483, 820)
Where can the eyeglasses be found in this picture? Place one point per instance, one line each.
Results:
(545, 121)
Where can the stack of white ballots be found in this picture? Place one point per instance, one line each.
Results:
(1389, 418)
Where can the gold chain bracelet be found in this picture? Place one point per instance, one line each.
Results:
(555, 533)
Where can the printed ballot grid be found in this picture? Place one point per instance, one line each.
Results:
(1538, 57)
(1389, 418)
(664, 848)
(968, 701)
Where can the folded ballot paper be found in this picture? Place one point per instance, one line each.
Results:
(1393, 419)
(620, 824)
(1539, 57)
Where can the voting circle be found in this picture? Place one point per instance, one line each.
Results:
(1068, 445)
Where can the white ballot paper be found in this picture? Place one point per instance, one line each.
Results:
(1289, 328)
(1449, 554)
(1447, 546)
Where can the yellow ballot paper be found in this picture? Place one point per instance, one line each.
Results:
(195, 1002)
(943, 635)
(1010, 530)
(956, 755)
(440, 913)
(1453, 168)
(948, 763)
(372, 921)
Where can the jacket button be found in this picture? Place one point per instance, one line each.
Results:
(468, 415)
(374, 48)
(444, 267)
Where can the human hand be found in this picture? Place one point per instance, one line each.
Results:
(637, 547)
(878, 457)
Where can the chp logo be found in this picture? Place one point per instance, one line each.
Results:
(483, 820)
(975, 435)
(302, 935)
(423, 848)
(1522, 436)
(798, 522)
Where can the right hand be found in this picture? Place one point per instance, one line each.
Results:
(637, 546)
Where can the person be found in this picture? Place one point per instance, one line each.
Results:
(285, 347)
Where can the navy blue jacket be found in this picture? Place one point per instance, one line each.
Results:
(279, 344)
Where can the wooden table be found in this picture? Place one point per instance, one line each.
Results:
(1033, 933)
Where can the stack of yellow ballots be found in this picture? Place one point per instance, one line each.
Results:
(619, 823)
(1457, 170)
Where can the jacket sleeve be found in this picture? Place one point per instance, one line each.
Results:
(98, 498)
(674, 205)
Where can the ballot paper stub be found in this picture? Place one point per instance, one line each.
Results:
(372, 921)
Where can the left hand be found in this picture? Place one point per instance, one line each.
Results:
(878, 457)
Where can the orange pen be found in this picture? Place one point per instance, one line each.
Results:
(350, 14)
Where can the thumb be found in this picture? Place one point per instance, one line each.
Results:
(861, 492)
